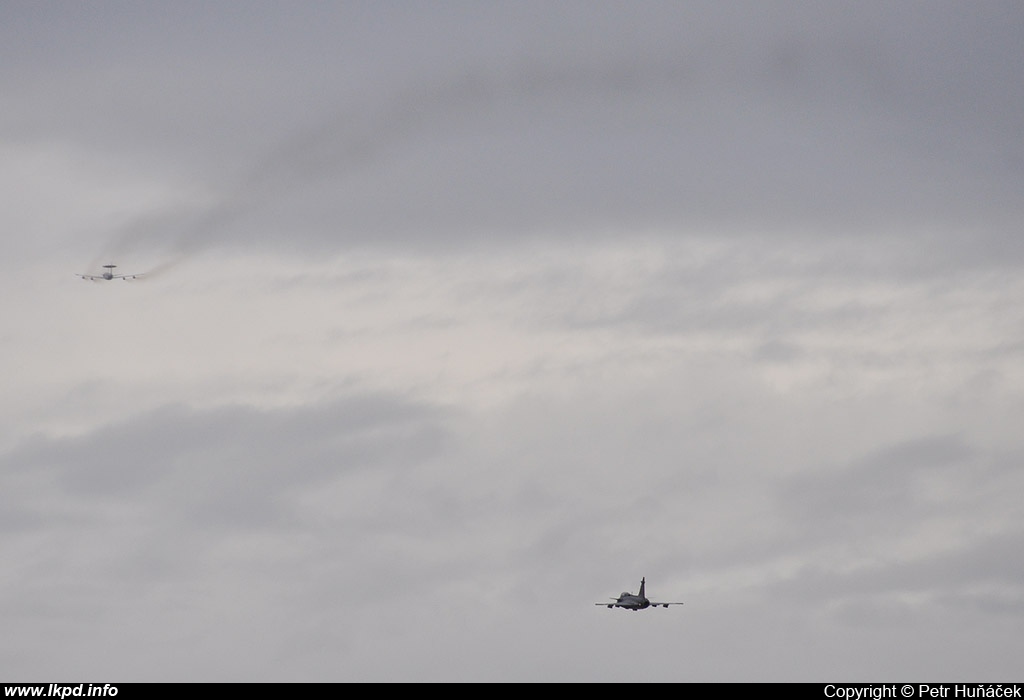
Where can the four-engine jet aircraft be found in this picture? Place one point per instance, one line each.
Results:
(635, 602)
(109, 275)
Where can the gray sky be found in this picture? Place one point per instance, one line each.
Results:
(462, 317)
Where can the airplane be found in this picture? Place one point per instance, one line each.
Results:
(635, 602)
(109, 275)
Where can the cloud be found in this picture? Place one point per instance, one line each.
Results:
(786, 117)
(491, 311)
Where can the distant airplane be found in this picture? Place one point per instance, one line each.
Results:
(635, 602)
(109, 275)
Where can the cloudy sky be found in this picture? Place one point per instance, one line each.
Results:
(461, 317)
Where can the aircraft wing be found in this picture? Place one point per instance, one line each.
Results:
(114, 277)
(663, 605)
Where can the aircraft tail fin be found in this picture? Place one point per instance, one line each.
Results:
(642, 581)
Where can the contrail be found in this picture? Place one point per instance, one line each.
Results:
(348, 142)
